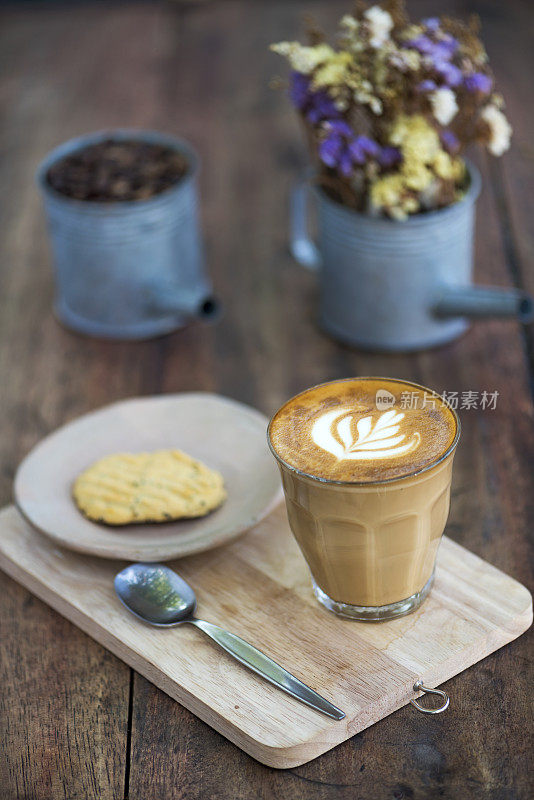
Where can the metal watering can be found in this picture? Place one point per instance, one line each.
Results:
(397, 286)
(128, 270)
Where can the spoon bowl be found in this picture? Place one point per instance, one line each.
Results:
(155, 594)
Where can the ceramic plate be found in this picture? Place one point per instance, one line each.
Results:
(226, 435)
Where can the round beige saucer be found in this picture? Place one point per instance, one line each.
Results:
(224, 434)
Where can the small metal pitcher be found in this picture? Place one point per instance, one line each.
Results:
(397, 285)
(128, 269)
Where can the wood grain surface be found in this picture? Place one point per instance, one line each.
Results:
(260, 589)
(74, 721)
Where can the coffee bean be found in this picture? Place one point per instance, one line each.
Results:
(116, 170)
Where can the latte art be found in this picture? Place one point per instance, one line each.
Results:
(342, 430)
(334, 432)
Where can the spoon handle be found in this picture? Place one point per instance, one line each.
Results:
(258, 662)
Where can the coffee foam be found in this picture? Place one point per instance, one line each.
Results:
(363, 430)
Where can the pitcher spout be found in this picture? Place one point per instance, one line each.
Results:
(196, 303)
(484, 301)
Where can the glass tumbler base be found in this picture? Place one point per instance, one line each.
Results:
(374, 613)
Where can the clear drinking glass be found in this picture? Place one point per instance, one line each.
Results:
(371, 547)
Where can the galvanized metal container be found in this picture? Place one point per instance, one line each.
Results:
(127, 270)
(397, 285)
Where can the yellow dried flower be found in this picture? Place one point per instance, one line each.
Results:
(386, 192)
(412, 59)
(412, 31)
(442, 164)
(391, 193)
(448, 168)
(332, 71)
(417, 139)
(423, 160)
(411, 205)
(416, 175)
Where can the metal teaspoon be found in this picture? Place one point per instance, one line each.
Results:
(157, 595)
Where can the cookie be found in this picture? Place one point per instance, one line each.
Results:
(166, 485)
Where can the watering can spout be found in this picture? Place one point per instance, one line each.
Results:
(197, 303)
(209, 309)
(484, 301)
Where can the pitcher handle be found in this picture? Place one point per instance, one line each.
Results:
(302, 247)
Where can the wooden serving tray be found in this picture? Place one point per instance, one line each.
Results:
(259, 588)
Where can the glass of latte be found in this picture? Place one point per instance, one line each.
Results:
(366, 467)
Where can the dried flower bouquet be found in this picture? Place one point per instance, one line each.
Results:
(390, 110)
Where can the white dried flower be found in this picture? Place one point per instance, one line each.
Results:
(350, 34)
(500, 130)
(444, 105)
(349, 23)
(405, 59)
(376, 106)
(367, 99)
(303, 59)
(379, 23)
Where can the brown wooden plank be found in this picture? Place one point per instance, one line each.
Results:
(64, 713)
(63, 707)
(509, 37)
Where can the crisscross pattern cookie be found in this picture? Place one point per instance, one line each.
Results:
(126, 488)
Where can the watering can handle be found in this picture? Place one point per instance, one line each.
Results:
(302, 247)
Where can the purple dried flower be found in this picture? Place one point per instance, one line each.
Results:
(389, 156)
(299, 89)
(421, 43)
(478, 82)
(342, 150)
(431, 24)
(448, 44)
(321, 107)
(339, 126)
(330, 150)
(439, 51)
(316, 106)
(426, 86)
(356, 151)
(370, 147)
(450, 141)
(450, 73)
(345, 163)
(362, 147)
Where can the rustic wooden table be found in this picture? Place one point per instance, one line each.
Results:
(75, 721)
